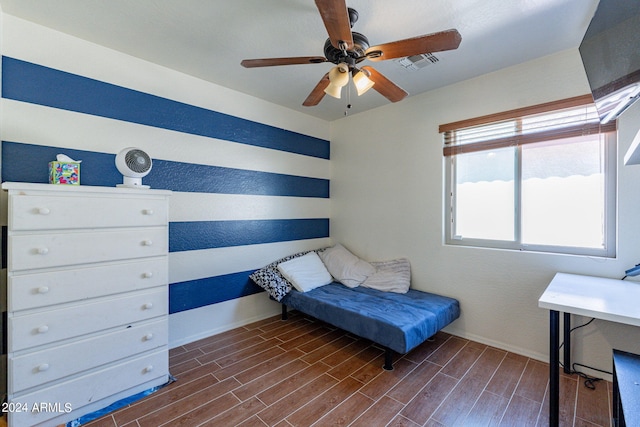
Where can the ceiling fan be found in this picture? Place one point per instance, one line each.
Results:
(347, 49)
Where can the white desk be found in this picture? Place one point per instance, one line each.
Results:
(607, 299)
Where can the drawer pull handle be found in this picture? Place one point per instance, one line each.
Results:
(43, 329)
(147, 242)
(148, 275)
(148, 369)
(43, 289)
(147, 211)
(43, 367)
(44, 211)
(148, 306)
(42, 251)
(148, 337)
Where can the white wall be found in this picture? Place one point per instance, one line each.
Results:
(387, 202)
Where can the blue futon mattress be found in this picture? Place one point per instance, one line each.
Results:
(397, 321)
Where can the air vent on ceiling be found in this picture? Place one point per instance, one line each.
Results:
(416, 62)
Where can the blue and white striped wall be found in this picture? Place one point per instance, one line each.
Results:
(250, 179)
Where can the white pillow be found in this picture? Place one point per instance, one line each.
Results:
(306, 272)
(390, 276)
(345, 267)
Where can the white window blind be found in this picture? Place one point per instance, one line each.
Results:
(545, 122)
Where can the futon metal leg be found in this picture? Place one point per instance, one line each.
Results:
(388, 359)
(285, 315)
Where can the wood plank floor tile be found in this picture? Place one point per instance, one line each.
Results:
(355, 363)
(420, 409)
(462, 361)
(324, 403)
(384, 382)
(221, 339)
(285, 407)
(292, 383)
(228, 350)
(203, 412)
(411, 385)
(380, 413)
(196, 371)
(237, 414)
(457, 405)
(192, 402)
(269, 365)
(308, 373)
(346, 412)
(239, 352)
(402, 421)
(446, 351)
(185, 356)
(165, 397)
(179, 369)
(253, 421)
(521, 412)
(506, 379)
(257, 386)
(318, 353)
(487, 411)
(249, 361)
(533, 383)
(593, 405)
(350, 350)
(302, 340)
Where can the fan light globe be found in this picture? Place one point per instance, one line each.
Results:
(362, 82)
(338, 77)
(133, 164)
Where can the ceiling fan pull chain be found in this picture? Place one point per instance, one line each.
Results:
(346, 111)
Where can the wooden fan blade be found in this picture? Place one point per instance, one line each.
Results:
(429, 43)
(335, 16)
(317, 93)
(384, 86)
(270, 62)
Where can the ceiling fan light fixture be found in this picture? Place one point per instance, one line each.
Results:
(362, 81)
(338, 77)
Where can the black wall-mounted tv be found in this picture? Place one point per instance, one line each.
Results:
(610, 52)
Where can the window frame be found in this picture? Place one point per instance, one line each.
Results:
(609, 135)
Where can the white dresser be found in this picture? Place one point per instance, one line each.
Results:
(87, 298)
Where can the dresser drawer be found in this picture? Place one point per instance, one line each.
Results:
(47, 212)
(25, 331)
(48, 365)
(35, 290)
(33, 251)
(148, 370)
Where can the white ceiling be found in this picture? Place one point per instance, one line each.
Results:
(209, 38)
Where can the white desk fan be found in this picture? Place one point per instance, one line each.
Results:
(133, 164)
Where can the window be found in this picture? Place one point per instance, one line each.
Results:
(540, 178)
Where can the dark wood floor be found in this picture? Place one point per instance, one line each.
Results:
(302, 372)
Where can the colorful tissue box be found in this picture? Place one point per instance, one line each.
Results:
(64, 173)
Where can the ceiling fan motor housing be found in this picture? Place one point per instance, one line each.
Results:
(354, 55)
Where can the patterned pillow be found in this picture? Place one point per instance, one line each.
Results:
(271, 280)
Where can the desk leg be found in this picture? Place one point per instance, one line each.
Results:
(554, 368)
(566, 336)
